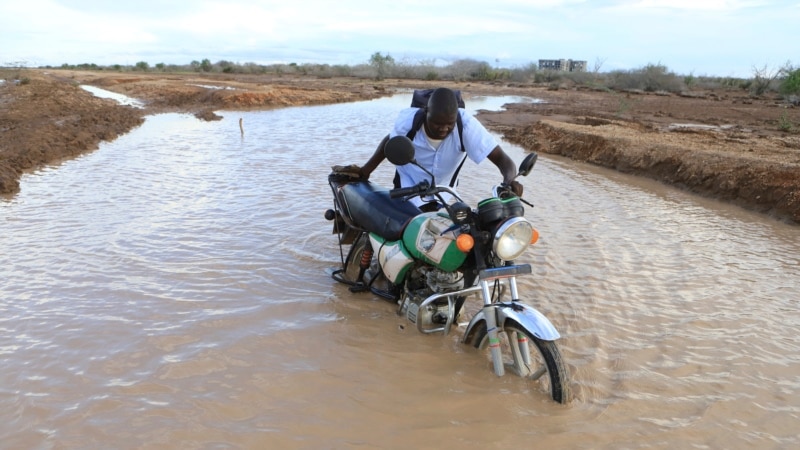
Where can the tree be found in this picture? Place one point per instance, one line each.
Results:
(598, 63)
(381, 64)
(226, 66)
(762, 79)
(483, 72)
(467, 69)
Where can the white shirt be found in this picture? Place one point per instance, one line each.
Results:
(444, 160)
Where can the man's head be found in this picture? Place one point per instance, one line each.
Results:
(442, 112)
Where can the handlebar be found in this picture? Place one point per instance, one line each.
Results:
(424, 188)
(421, 187)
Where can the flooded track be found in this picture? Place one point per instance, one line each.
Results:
(172, 289)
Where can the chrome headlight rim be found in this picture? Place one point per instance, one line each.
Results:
(512, 238)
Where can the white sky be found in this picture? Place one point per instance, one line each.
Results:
(700, 37)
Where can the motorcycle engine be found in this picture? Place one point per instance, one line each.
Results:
(435, 282)
(439, 281)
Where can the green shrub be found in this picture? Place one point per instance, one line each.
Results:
(689, 81)
(791, 84)
(784, 124)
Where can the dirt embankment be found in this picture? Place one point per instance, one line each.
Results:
(43, 120)
(724, 144)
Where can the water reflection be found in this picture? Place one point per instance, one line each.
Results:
(119, 98)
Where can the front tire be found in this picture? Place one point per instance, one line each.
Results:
(541, 364)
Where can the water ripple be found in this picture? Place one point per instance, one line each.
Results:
(177, 281)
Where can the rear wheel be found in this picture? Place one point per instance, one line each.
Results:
(537, 360)
(352, 264)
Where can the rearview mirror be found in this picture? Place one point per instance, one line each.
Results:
(399, 150)
(527, 164)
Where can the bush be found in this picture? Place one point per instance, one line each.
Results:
(465, 69)
(547, 76)
(784, 124)
(582, 78)
(650, 78)
(791, 84)
(523, 74)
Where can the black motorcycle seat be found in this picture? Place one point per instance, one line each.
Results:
(371, 207)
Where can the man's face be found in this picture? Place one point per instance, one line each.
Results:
(438, 126)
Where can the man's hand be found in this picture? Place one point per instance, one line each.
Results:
(516, 187)
(352, 171)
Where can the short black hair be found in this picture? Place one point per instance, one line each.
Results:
(443, 101)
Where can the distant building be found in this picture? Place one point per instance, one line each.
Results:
(562, 65)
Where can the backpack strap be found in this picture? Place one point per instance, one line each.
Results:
(460, 126)
(419, 117)
(455, 174)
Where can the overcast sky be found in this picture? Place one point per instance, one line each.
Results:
(700, 37)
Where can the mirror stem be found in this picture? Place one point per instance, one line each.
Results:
(433, 179)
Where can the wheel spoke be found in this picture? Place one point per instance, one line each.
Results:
(535, 360)
(538, 374)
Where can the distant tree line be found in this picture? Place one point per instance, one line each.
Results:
(649, 78)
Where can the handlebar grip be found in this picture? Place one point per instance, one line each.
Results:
(402, 192)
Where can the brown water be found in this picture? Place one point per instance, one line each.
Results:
(171, 290)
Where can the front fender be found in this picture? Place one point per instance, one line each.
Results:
(525, 315)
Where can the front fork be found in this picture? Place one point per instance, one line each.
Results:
(490, 315)
(518, 312)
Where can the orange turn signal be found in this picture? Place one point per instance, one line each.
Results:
(534, 236)
(465, 242)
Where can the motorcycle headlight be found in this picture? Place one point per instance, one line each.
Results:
(512, 238)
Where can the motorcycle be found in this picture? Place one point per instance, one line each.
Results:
(430, 263)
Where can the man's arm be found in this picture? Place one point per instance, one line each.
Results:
(375, 160)
(507, 168)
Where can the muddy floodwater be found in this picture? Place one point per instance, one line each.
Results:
(172, 290)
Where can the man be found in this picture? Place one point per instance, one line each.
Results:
(438, 146)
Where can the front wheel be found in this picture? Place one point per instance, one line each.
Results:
(535, 359)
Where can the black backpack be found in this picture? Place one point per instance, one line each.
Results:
(420, 100)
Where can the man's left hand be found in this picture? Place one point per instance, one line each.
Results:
(516, 187)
